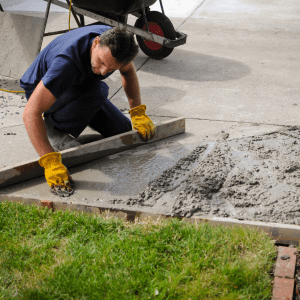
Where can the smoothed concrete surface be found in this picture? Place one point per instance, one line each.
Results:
(85, 153)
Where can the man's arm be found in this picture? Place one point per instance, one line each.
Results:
(40, 100)
(140, 121)
(131, 85)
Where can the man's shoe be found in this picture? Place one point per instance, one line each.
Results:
(59, 139)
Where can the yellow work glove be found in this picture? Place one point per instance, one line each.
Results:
(56, 174)
(142, 123)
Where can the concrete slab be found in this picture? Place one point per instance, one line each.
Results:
(227, 71)
(19, 42)
(251, 10)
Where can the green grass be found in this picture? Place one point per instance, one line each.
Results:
(68, 255)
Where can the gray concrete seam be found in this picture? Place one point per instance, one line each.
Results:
(191, 13)
(231, 121)
(120, 88)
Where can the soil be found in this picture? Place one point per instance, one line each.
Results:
(253, 178)
(297, 278)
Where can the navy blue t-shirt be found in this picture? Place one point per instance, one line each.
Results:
(64, 62)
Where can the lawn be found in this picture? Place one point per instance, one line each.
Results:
(70, 255)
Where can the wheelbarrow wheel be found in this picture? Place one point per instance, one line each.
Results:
(160, 25)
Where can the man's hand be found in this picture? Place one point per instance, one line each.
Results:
(56, 174)
(142, 123)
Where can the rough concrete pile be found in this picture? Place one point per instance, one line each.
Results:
(254, 178)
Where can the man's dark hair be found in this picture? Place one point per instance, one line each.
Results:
(121, 44)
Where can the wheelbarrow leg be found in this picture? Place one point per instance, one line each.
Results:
(82, 20)
(162, 8)
(144, 13)
(44, 27)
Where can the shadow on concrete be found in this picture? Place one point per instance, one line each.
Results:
(9, 83)
(89, 138)
(191, 66)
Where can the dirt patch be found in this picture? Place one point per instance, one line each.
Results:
(254, 178)
(297, 278)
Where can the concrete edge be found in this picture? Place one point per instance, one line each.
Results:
(82, 154)
(284, 234)
(284, 274)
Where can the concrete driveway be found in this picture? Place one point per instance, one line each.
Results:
(238, 74)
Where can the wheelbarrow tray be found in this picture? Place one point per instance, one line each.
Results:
(117, 7)
(180, 37)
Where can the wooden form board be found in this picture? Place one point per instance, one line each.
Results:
(85, 153)
(285, 234)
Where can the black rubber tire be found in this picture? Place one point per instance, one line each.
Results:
(168, 31)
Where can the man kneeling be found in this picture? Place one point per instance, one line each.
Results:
(65, 83)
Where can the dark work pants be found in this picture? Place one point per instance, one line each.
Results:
(84, 105)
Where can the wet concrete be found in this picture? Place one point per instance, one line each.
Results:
(254, 178)
(247, 178)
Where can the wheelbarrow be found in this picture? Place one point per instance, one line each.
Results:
(154, 31)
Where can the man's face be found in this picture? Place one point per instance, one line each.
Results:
(102, 61)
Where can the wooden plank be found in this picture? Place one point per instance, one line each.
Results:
(85, 153)
(285, 234)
